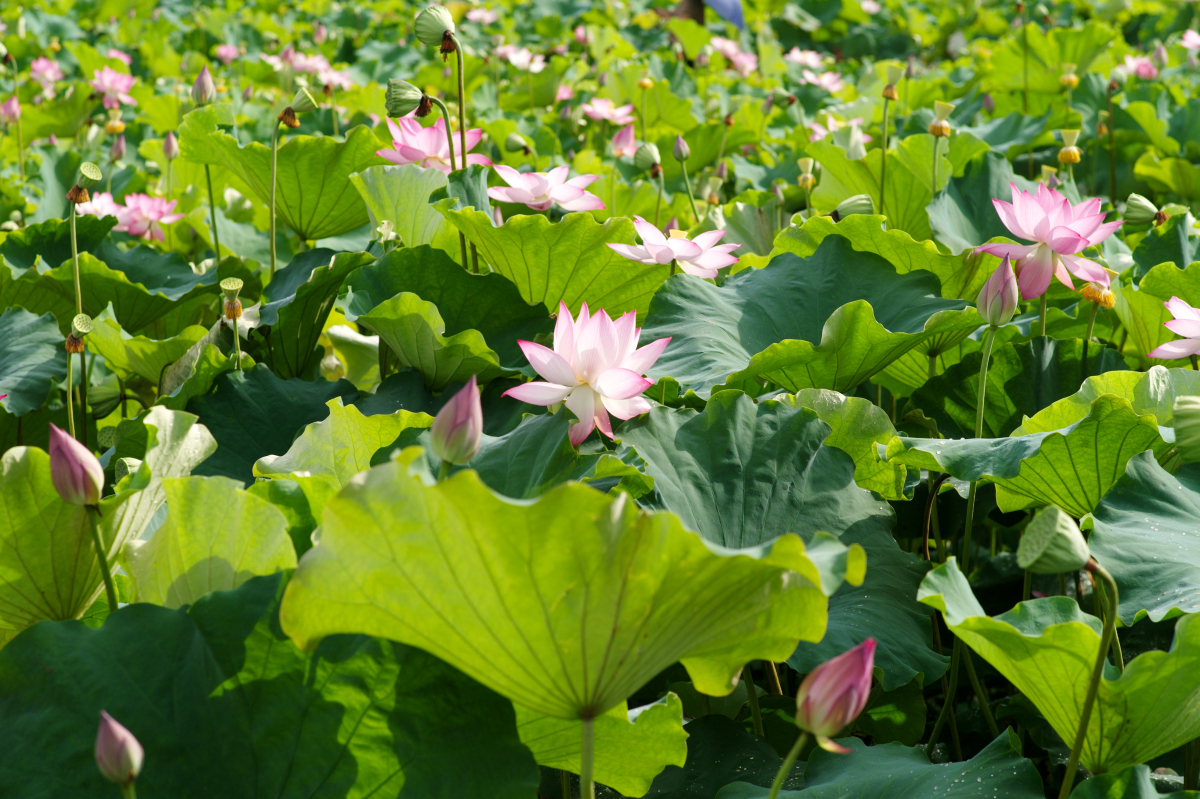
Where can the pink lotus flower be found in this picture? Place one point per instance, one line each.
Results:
(310, 64)
(540, 190)
(1191, 40)
(1141, 66)
(745, 64)
(564, 93)
(624, 143)
(505, 51)
(820, 131)
(526, 60)
(427, 147)
(120, 55)
(335, 80)
(10, 111)
(726, 47)
(595, 368)
(482, 16)
(602, 108)
(870, 6)
(1059, 231)
(285, 58)
(1187, 324)
(46, 72)
(835, 693)
(114, 86)
(227, 53)
(829, 81)
(77, 476)
(997, 299)
(581, 35)
(805, 58)
(102, 205)
(701, 256)
(145, 216)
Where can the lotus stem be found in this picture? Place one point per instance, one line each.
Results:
(1112, 150)
(105, 573)
(462, 240)
(564, 783)
(1191, 773)
(1042, 316)
(752, 692)
(786, 769)
(1025, 53)
(237, 346)
(1089, 699)
(937, 141)
(642, 118)
(444, 470)
(949, 690)
(1087, 339)
(83, 382)
(1027, 586)
(658, 205)
(274, 168)
(687, 183)
(773, 684)
(587, 786)
(212, 203)
(937, 645)
(883, 160)
(462, 103)
(981, 696)
(70, 397)
(20, 139)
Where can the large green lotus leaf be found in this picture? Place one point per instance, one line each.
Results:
(629, 752)
(341, 445)
(299, 300)
(720, 751)
(963, 216)
(49, 242)
(895, 771)
(1072, 468)
(253, 413)
(315, 197)
(301, 499)
(1144, 531)
(1151, 392)
(400, 195)
(603, 596)
(64, 117)
(1172, 175)
(32, 358)
(1047, 52)
(413, 329)
(856, 426)
(1132, 783)
(1022, 379)
(216, 537)
(218, 683)
(867, 233)
(742, 474)
(1176, 241)
(139, 356)
(488, 303)
(831, 320)
(567, 261)
(1141, 308)
(193, 375)
(1047, 649)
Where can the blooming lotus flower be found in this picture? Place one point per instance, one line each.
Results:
(102, 205)
(226, 53)
(1059, 231)
(701, 256)
(333, 79)
(835, 693)
(113, 86)
(581, 35)
(482, 16)
(744, 64)
(77, 476)
(311, 65)
(118, 754)
(624, 143)
(457, 430)
(427, 147)
(145, 216)
(1141, 66)
(726, 47)
(10, 111)
(829, 81)
(120, 55)
(602, 108)
(805, 58)
(526, 60)
(997, 299)
(1191, 40)
(1187, 324)
(565, 92)
(870, 6)
(595, 368)
(46, 72)
(285, 58)
(540, 190)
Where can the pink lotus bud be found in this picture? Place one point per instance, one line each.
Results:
(998, 298)
(117, 151)
(248, 93)
(204, 91)
(10, 111)
(989, 104)
(118, 754)
(457, 429)
(320, 33)
(1159, 57)
(497, 217)
(834, 693)
(170, 146)
(581, 35)
(77, 475)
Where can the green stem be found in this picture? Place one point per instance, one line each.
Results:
(937, 142)
(989, 339)
(981, 695)
(1191, 775)
(75, 264)
(71, 396)
(1042, 315)
(883, 160)
(587, 787)
(564, 783)
(109, 591)
(1025, 53)
(333, 111)
(1089, 698)
(128, 792)
(83, 386)
(687, 183)
(462, 240)
(237, 345)
(752, 693)
(948, 698)
(786, 769)
(643, 117)
(1112, 150)
(1087, 339)
(444, 470)
(212, 203)
(462, 102)
(658, 205)
(274, 166)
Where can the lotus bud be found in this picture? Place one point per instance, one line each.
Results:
(1139, 210)
(722, 171)
(170, 146)
(1068, 78)
(1101, 295)
(989, 104)
(77, 476)
(1187, 428)
(681, 151)
(402, 98)
(1052, 544)
(647, 157)
(320, 34)
(833, 694)
(857, 204)
(204, 91)
(457, 430)
(117, 151)
(248, 93)
(581, 35)
(1159, 57)
(118, 754)
(435, 28)
(940, 126)
(231, 287)
(645, 84)
(997, 299)
(1069, 154)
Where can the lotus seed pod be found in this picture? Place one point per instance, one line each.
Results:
(1068, 78)
(1052, 544)
(1101, 295)
(402, 98)
(857, 204)
(1139, 210)
(647, 156)
(1187, 428)
(89, 175)
(125, 466)
(435, 28)
(107, 437)
(303, 102)
(515, 142)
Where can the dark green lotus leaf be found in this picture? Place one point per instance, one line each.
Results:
(49, 242)
(1175, 241)
(217, 683)
(32, 358)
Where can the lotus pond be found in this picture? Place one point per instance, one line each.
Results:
(554, 399)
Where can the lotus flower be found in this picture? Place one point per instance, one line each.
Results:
(834, 693)
(482, 16)
(1186, 323)
(701, 256)
(726, 47)
(113, 86)
(526, 60)
(829, 81)
(540, 190)
(1191, 40)
(602, 108)
(1141, 66)
(102, 205)
(77, 476)
(457, 430)
(310, 64)
(10, 111)
(145, 215)
(118, 754)
(122, 56)
(46, 72)
(624, 143)
(805, 58)
(565, 92)
(595, 368)
(744, 64)
(427, 147)
(227, 53)
(1059, 231)
(870, 6)
(333, 79)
